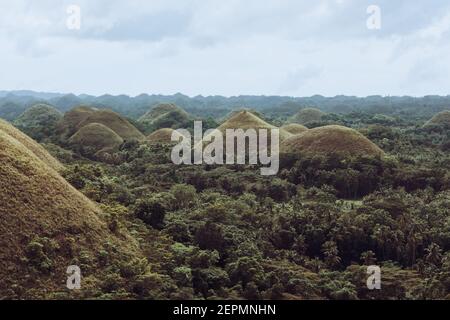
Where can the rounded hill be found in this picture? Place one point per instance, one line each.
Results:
(45, 226)
(40, 115)
(307, 115)
(328, 140)
(97, 137)
(162, 136)
(71, 120)
(30, 144)
(294, 128)
(115, 122)
(440, 119)
(247, 120)
(165, 115)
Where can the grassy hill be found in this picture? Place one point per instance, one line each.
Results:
(294, 128)
(161, 136)
(115, 122)
(72, 119)
(39, 121)
(331, 140)
(165, 116)
(307, 115)
(46, 225)
(31, 145)
(440, 119)
(97, 137)
(247, 120)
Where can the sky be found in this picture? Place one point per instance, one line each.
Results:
(211, 47)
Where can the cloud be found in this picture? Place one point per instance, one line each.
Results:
(296, 79)
(226, 47)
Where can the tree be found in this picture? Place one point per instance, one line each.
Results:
(151, 211)
(331, 254)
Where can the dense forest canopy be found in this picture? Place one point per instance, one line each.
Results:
(163, 231)
(13, 103)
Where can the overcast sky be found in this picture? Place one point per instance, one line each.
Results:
(232, 47)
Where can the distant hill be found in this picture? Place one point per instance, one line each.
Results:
(247, 120)
(165, 116)
(115, 122)
(94, 138)
(39, 121)
(79, 117)
(294, 128)
(70, 123)
(440, 119)
(163, 136)
(329, 140)
(307, 115)
(13, 103)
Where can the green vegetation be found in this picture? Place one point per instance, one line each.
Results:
(39, 121)
(372, 188)
(307, 115)
(165, 116)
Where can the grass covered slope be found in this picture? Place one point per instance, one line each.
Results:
(72, 119)
(247, 120)
(440, 119)
(96, 136)
(294, 128)
(162, 136)
(45, 226)
(115, 122)
(31, 145)
(333, 139)
(165, 115)
(307, 115)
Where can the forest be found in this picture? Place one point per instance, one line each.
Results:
(362, 181)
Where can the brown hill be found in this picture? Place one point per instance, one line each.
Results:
(31, 145)
(247, 120)
(165, 115)
(307, 115)
(330, 140)
(46, 225)
(71, 120)
(97, 137)
(115, 122)
(442, 118)
(294, 128)
(161, 136)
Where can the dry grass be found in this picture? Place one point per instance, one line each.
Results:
(247, 120)
(160, 110)
(294, 128)
(96, 136)
(442, 118)
(31, 145)
(115, 122)
(70, 123)
(35, 201)
(331, 140)
(161, 136)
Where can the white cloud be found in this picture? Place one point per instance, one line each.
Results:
(226, 47)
